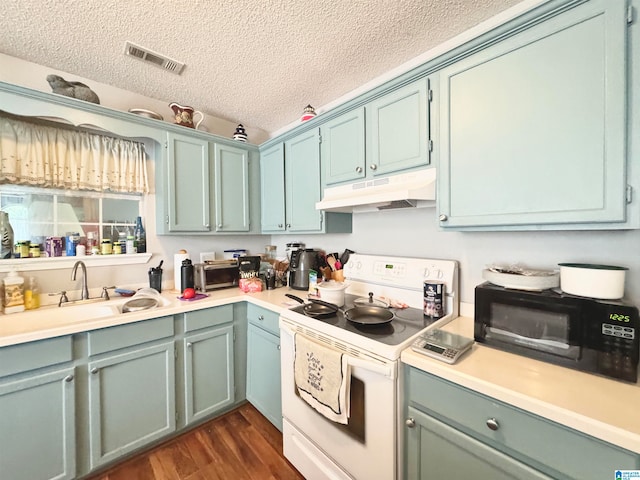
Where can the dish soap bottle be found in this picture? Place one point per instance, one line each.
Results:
(13, 293)
(140, 237)
(31, 295)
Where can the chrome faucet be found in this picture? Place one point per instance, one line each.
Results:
(85, 289)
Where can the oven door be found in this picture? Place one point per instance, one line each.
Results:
(321, 449)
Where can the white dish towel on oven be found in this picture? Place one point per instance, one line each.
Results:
(323, 378)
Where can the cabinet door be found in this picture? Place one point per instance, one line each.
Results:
(398, 129)
(131, 401)
(533, 128)
(231, 173)
(343, 148)
(209, 380)
(436, 450)
(263, 373)
(302, 180)
(37, 427)
(272, 189)
(188, 183)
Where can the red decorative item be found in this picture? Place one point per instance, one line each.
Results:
(308, 113)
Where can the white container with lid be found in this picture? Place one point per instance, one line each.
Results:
(332, 292)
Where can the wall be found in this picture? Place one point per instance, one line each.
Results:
(415, 232)
(31, 75)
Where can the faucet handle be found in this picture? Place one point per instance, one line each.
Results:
(63, 297)
(105, 292)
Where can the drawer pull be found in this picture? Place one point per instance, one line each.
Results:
(493, 424)
(68, 378)
(410, 422)
(261, 317)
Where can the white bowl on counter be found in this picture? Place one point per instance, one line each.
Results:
(332, 292)
(604, 282)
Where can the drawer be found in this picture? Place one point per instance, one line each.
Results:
(523, 435)
(208, 317)
(263, 318)
(122, 336)
(30, 356)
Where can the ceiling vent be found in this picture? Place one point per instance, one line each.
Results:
(154, 58)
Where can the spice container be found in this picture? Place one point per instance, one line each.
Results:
(117, 247)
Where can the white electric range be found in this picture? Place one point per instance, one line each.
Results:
(368, 446)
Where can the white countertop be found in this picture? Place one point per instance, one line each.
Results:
(600, 407)
(37, 325)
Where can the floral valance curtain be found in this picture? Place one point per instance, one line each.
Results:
(45, 156)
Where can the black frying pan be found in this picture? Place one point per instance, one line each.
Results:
(369, 315)
(316, 308)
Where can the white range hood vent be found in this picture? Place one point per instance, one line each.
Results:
(408, 190)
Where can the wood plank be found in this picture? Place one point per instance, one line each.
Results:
(242, 444)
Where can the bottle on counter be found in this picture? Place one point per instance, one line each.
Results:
(130, 248)
(31, 294)
(13, 293)
(122, 240)
(140, 237)
(186, 275)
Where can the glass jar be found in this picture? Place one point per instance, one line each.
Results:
(34, 250)
(105, 247)
(117, 248)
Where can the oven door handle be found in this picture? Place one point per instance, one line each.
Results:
(386, 370)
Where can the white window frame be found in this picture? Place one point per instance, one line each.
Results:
(54, 263)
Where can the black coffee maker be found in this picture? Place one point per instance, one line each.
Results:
(302, 262)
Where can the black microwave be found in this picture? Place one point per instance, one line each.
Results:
(596, 336)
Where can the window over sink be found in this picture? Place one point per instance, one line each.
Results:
(37, 213)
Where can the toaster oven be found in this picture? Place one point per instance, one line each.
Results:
(215, 274)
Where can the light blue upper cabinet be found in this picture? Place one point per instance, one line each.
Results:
(398, 129)
(188, 184)
(272, 189)
(231, 174)
(533, 129)
(388, 135)
(302, 182)
(343, 147)
(206, 187)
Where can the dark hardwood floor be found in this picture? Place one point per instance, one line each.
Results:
(241, 444)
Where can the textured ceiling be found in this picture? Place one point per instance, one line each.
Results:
(258, 62)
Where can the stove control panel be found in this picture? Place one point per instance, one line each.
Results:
(399, 271)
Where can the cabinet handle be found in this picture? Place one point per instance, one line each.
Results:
(410, 422)
(493, 424)
(279, 225)
(288, 225)
(261, 317)
(189, 344)
(219, 225)
(206, 225)
(68, 378)
(94, 370)
(443, 217)
(358, 169)
(373, 166)
(278, 347)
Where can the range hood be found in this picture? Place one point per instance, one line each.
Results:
(407, 190)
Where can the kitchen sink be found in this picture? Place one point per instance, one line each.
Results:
(83, 311)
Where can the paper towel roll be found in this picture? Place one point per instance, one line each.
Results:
(177, 265)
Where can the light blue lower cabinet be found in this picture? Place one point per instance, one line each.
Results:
(454, 432)
(208, 372)
(436, 450)
(263, 373)
(37, 426)
(131, 400)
